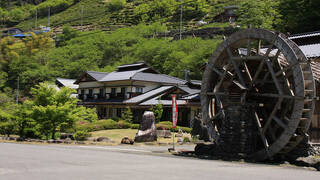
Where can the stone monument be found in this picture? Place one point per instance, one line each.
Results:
(147, 131)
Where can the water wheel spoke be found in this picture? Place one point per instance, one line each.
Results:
(269, 65)
(274, 59)
(285, 69)
(236, 67)
(249, 47)
(247, 71)
(275, 109)
(271, 95)
(259, 46)
(261, 134)
(280, 122)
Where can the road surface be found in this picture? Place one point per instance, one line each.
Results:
(62, 162)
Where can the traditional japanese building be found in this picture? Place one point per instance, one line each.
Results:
(139, 87)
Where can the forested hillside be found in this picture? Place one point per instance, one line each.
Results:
(101, 34)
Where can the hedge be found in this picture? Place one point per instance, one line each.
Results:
(167, 125)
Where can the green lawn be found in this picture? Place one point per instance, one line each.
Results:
(117, 134)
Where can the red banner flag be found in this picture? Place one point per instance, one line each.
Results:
(174, 111)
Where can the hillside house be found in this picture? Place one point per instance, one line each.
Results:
(139, 87)
(228, 15)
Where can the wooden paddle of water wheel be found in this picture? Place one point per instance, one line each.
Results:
(257, 94)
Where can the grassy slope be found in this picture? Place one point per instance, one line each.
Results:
(94, 12)
(96, 15)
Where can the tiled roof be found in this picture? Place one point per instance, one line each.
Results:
(148, 94)
(67, 83)
(189, 90)
(304, 35)
(157, 78)
(118, 76)
(197, 82)
(191, 96)
(97, 75)
(131, 65)
(311, 50)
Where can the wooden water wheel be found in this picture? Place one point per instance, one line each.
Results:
(268, 73)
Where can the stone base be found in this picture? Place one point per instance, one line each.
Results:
(146, 137)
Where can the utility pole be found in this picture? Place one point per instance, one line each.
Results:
(49, 17)
(17, 98)
(180, 18)
(186, 74)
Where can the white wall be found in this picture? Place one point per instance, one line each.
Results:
(146, 86)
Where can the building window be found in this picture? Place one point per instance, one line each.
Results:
(139, 90)
(118, 112)
(82, 91)
(123, 91)
(113, 92)
(90, 92)
(101, 92)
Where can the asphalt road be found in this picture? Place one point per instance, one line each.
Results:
(59, 162)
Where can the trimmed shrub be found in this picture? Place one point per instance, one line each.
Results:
(135, 126)
(81, 135)
(167, 125)
(123, 124)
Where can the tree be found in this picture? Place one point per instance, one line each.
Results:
(23, 118)
(157, 110)
(6, 123)
(258, 13)
(299, 15)
(127, 115)
(53, 109)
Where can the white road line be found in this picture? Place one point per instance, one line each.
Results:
(112, 148)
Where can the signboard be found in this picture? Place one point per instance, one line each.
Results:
(174, 111)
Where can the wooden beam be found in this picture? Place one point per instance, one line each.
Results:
(236, 67)
(275, 108)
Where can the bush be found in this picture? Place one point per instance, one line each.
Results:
(123, 124)
(81, 135)
(135, 126)
(167, 125)
(186, 139)
(116, 5)
(6, 128)
(31, 133)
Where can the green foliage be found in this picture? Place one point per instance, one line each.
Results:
(123, 124)
(135, 126)
(167, 125)
(157, 110)
(81, 135)
(23, 122)
(116, 5)
(104, 125)
(54, 5)
(6, 128)
(153, 10)
(127, 115)
(55, 110)
(258, 13)
(299, 16)
(68, 33)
